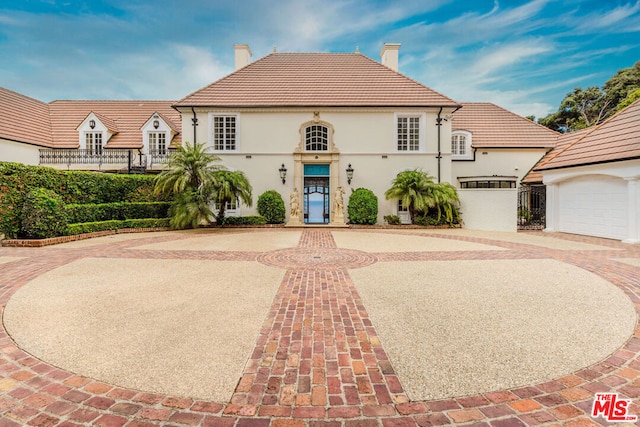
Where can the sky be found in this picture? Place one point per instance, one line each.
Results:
(522, 55)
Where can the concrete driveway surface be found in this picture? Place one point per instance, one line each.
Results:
(353, 327)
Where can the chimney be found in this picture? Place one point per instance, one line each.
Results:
(389, 55)
(243, 55)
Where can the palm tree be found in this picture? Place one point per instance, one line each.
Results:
(191, 167)
(414, 188)
(230, 186)
(446, 200)
(191, 179)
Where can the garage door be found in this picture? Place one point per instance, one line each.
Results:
(594, 206)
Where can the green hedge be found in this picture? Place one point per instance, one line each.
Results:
(44, 215)
(91, 227)
(91, 212)
(74, 187)
(363, 207)
(271, 207)
(245, 220)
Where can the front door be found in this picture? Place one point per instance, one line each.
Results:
(316, 200)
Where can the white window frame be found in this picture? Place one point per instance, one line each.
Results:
(326, 144)
(232, 208)
(154, 142)
(421, 131)
(90, 142)
(468, 153)
(212, 131)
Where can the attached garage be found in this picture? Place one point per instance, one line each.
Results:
(593, 179)
(593, 206)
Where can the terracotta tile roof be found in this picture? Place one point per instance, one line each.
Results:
(24, 119)
(125, 117)
(315, 80)
(493, 126)
(618, 138)
(564, 139)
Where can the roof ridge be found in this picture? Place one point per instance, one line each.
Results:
(407, 77)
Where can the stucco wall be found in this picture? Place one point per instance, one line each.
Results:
(19, 152)
(489, 209)
(506, 162)
(364, 139)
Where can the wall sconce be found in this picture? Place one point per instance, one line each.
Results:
(349, 174)
(92, 123)
(156, 124)
(283, 173)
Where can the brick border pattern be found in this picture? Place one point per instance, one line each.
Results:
(314, 312)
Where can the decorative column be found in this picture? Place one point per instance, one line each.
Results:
(633, 211)
(552, 208)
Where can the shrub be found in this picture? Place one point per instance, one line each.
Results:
(92, 212)
(392, 219)
(92, 227)
(245, 220)
(271, 207)
(17, 180)
(363, 207)
(43, 215)
(432, 217)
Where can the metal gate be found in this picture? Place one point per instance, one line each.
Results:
(532, 206)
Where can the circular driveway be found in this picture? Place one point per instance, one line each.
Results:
(325, 323)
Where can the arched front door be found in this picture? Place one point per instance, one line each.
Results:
(316, 194)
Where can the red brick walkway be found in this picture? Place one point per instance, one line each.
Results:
(318, 360)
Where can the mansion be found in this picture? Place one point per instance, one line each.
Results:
(311, 124)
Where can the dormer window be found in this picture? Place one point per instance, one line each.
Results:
(316, 138)
(461, 145)
(93, 143)
(158, 143)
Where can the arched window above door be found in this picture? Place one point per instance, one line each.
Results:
(316, 138)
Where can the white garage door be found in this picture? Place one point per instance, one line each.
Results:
(594, 206)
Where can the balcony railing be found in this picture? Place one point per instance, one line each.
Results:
(108, 156)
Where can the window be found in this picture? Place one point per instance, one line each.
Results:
(93, 142)
(408, 133)
(224, 133)
(489, 184)
(316, 138)
(401, 207)
(229, 206)
(461, 146)
(158, 143)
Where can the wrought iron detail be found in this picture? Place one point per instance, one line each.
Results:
(532, 206)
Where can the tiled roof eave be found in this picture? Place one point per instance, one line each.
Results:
(281, 106)
(543, 145)
(575, 165)
(35, 144)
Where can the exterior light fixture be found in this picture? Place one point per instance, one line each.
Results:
(156, 124)
(349, 173)
(283, 173)
(92, 123)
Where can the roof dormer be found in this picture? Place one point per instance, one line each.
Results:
(95, 131)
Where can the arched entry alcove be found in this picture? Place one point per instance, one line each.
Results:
(317, 172)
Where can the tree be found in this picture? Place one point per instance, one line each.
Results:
(230, 186)
(413, 188)
(584, 108)
(633, 96)
(190, 178)
(446, 200)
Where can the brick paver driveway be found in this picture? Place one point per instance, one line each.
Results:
(318, 359)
